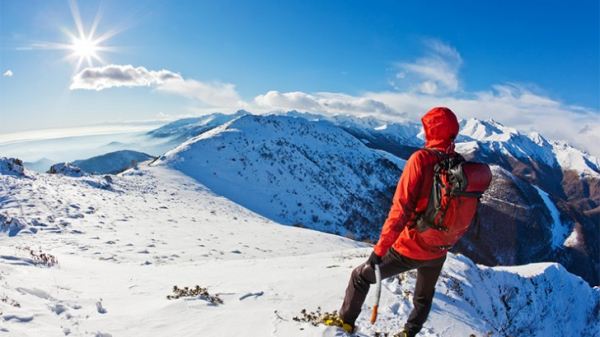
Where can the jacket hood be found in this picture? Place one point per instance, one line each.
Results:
(441, 128)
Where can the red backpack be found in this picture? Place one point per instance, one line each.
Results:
(453, 201)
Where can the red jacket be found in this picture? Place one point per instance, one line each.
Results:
(412, 194)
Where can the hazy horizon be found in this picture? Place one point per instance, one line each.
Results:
(531, 67)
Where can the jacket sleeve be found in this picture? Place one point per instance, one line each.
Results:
(405, 203)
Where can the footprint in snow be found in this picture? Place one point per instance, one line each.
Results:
(102, 334)
(100, 308)
(58, 308)
(20, 319)
(36, 292)
(255, 295)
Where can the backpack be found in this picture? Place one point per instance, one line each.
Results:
(453, 201)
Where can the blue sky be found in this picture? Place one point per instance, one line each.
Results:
(532, 65)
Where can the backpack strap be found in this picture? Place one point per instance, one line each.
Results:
(441, 157)
(437, 153)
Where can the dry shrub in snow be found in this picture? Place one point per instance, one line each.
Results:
(194, 292)
(40, 257)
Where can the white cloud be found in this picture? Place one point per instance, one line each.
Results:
(513, 105)
(100, 78)
(323, 103)
(8, 73)
(216, 93)
(435, 73)
(510, 104)
(110, 76)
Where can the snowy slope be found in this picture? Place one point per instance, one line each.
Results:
(181, 130)
(372, 130)
(122, 243)
(293, 171)
(560, 232)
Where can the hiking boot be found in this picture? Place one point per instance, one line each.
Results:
(335, 320)
(404, 333)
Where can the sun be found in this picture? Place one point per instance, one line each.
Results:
(84, 48)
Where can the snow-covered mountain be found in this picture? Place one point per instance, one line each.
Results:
(112, 162)
(98, 255)
(531, 147)
(181, 130)
(332, 173)
(293, 171)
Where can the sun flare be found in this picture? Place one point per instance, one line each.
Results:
(84, 48)
(85, 45)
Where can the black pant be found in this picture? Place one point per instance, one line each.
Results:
(428, 272)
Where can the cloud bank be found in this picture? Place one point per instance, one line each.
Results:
(111, 76)
(429, 81)
(512, 105)
(217, 94)
(324, 103)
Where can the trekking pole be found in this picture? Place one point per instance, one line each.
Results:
(377, 293)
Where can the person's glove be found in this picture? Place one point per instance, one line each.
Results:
(373, 260)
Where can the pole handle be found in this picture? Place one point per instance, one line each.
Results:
(377, 293)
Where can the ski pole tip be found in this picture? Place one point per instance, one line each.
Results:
(374, 315)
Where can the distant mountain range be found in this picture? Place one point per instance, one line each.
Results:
(113, 162)
(109, 163)
(41, 165)
(338, 174)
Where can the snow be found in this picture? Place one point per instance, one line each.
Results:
(573, 240)
(527, 147)
(287, 169)
(559, 230)
(112, 162)
(11, 166)
(467, 147)
(485, 130)
(573, 159)
(401, 163)
(121, 244)
(67, 169)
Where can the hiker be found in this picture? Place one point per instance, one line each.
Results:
(400, 247)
